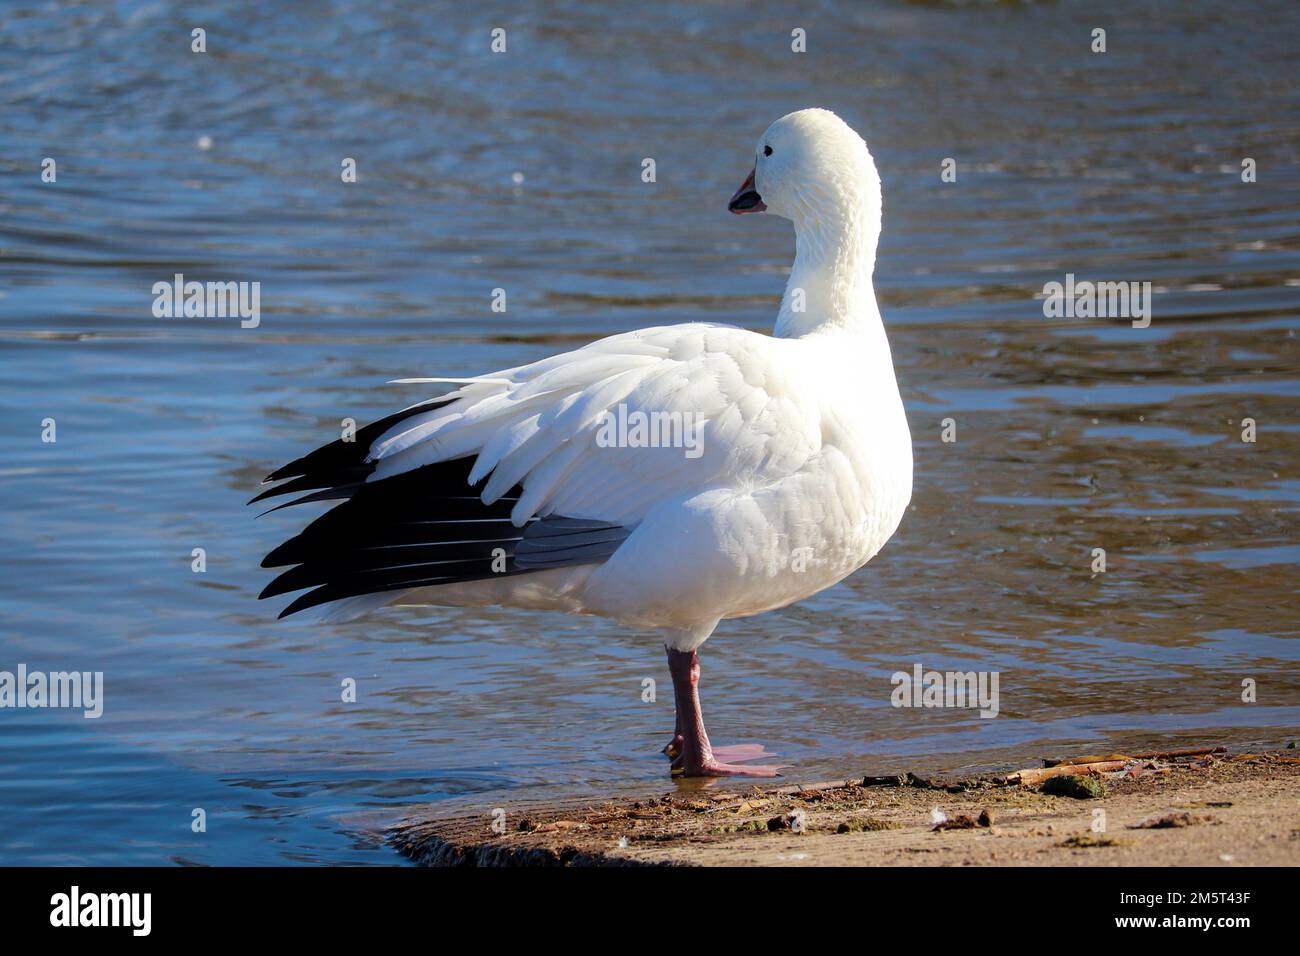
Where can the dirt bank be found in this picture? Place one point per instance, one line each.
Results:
(1178, 808)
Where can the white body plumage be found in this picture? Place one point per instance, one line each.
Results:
(805, 466)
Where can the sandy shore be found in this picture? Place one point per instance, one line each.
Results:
(1207, 808)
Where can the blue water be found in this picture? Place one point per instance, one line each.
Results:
(1071, 434)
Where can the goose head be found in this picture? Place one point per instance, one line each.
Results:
(809, 167)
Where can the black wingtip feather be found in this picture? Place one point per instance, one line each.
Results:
(325, 494)
(341, 454)
(356, 473)
(423, 527)
(393, 565)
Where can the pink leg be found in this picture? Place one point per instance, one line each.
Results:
(696, 757)
(674, 746)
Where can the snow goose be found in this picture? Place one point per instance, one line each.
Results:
(666, 478)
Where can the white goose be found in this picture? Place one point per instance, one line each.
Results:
(524, 488)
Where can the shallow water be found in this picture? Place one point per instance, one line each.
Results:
(1071, 434)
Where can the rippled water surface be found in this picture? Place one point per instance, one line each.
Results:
(1072, 434)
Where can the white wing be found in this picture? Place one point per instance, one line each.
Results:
(540, 425)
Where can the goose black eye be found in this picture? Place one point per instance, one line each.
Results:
(767, 150)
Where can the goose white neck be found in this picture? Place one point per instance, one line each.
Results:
(830, 285)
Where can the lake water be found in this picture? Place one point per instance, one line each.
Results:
(1071, 434)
